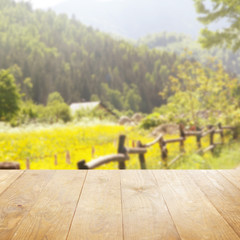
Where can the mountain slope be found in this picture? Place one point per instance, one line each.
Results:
(61, 54)
(178, 43)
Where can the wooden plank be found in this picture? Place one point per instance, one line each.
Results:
(18, 199)
(222, 194)
(7, 177)
(194, 216)
(52, 214)
(232, 175)
(145, 215)
(99, 215)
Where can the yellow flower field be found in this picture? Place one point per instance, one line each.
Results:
(61, 147)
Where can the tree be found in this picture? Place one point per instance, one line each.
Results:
(220, 10)
(196, 88)
(132, 99)
(54, 97)
(57, 108)
(9, 96)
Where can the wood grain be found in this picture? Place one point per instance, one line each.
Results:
(194, 216)
(18, 199)
(233, 176)
(145, 215)
(222, 194)
(52, 214)
(99, 214)
(7, 177)
(127, 205)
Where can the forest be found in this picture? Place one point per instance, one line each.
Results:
(177, 43)
(56, 53)
(46, 56)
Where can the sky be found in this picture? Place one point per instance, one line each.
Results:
(50, 3)
(43, 3)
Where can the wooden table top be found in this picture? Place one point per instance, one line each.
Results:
(127, 204)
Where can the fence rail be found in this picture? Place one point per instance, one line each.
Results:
(123, 152)
(141, 149)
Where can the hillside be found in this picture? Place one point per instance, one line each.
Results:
(60, 54)
(178, 43)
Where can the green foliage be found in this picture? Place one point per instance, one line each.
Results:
(152, 120)
(132, 99)
(60, 54)
(196, 88)
(232, 118)
(28, 112)
(163, 39)
(220, 10)
(129, 113)
(56, 53)
(9, 96)
(93, 114)
(178, 43)
(226, 157)
(54, 98)
(94, 98)
(57, 109)
(112, 97)
(27, 88)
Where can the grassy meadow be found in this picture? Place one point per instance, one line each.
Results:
(48, 147)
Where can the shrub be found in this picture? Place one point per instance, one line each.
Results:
(152, 120)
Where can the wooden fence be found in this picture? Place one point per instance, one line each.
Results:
(123, 152)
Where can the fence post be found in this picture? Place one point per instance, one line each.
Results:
(199, 137)
(121, 149)
(141, 156)
(28, 163)
(182, 135)
(68, 157)
(211, 139)
(93, 151)
(82, 164)
(221, 133)
(55, 160)
(164, 152)
(235, 133)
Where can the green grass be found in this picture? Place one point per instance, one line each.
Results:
(223, 157)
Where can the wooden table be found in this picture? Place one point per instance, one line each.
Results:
(119, 205)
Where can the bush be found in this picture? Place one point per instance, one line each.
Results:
(57, 108)
(59, 111)
(152, 120)
(28, 112)
(96, 113)
(9, 96)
